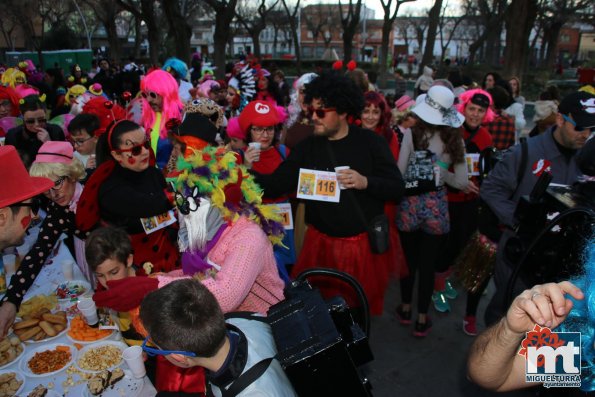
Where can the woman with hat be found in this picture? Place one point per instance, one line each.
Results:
(55, 161)
(127, 191)
(434, 145)
(402, 118)
(259, 121)
(9, 102)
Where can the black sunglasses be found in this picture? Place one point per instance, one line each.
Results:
(320, 112)
(41, 120)
(136, 150)
(34, 205)
(151, 94)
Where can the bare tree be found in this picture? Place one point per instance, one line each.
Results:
(292, 15)
(520, 19)
(558, 12)
(179, 14)
(7, 27)
(254, 20)
(106, 11)
(447, 26)
(349, 21)
(433, 17)
(146, 11)
(224, 14)
(387, 27)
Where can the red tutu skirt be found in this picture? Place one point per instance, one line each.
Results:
(157, 248)
(397, 264)
(351, 255)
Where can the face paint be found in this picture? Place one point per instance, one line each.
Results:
(131, 160)
(26, 221)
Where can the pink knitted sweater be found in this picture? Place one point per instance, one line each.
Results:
(248, 279)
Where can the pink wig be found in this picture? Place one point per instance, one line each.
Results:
(204, 89)
(376, 99)
(24, 90)
(465, 98)
(162, 83)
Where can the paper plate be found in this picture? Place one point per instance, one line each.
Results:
(50, 393)
(19, 376)
(24, 367)
(29, 341)
(119, 345)
(128, 386)
(16, 359)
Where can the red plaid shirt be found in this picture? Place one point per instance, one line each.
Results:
(502, 131)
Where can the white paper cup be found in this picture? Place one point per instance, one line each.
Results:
(341, 168)
(133, 356)
(9, 266)
(255, 145)
(88, 309)
(67, 269)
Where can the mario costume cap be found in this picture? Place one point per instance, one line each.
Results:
(581, 107)
(259, 113)
(17, 185)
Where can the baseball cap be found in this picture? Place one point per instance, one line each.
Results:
(580, 106)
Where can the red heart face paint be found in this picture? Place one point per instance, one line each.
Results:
(131, 160)
(26, 221)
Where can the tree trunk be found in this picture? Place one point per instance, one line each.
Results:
(138, 37)
(224, 13)
(256, 43)
(552, 44)
(350, 24)
(387, 26)
(520, 18)
(293, 21)
(433, 17)
(182, 32)
(112, 38)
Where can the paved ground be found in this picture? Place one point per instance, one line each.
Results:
(405, 366)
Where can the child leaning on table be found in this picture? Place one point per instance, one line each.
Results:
(109, 254)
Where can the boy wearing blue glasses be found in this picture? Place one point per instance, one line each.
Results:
(189, 330)
(109, 254)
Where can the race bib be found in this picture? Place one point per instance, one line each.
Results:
(284, 209)
(158, 222)
(318, 185)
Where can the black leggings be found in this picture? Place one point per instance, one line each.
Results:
(421, 250)
(473, 299)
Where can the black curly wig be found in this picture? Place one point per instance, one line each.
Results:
(336, 91)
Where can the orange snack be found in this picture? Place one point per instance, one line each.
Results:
(79, 330)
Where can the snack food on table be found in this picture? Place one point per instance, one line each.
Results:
(39, 391)
(79, 330)
(40, 325)
(9, 384)
(36, 304)
(70, 290)
(50, 360)
(100, 358)
(10, 349)
(103, 380)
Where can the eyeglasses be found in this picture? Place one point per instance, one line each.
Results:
(136, 150)
(59, 183)
(41, 120)
(578, 128)
(158, 352)
(5, 104)
(320, 112)
(80, 142)
(184, 204)
(151, 94)
(262, 130)
(34, 205)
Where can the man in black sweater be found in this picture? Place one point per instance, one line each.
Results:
(336, 236)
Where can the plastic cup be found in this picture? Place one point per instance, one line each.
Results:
(133, 356)
(88, 309)
(9, 266)
(255, 145)
(341, 168)
(68, 270)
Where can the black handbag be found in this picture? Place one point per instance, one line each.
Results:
(378, 234)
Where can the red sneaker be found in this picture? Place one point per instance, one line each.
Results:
(469, 326)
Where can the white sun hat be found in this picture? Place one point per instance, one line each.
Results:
(436, 108)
